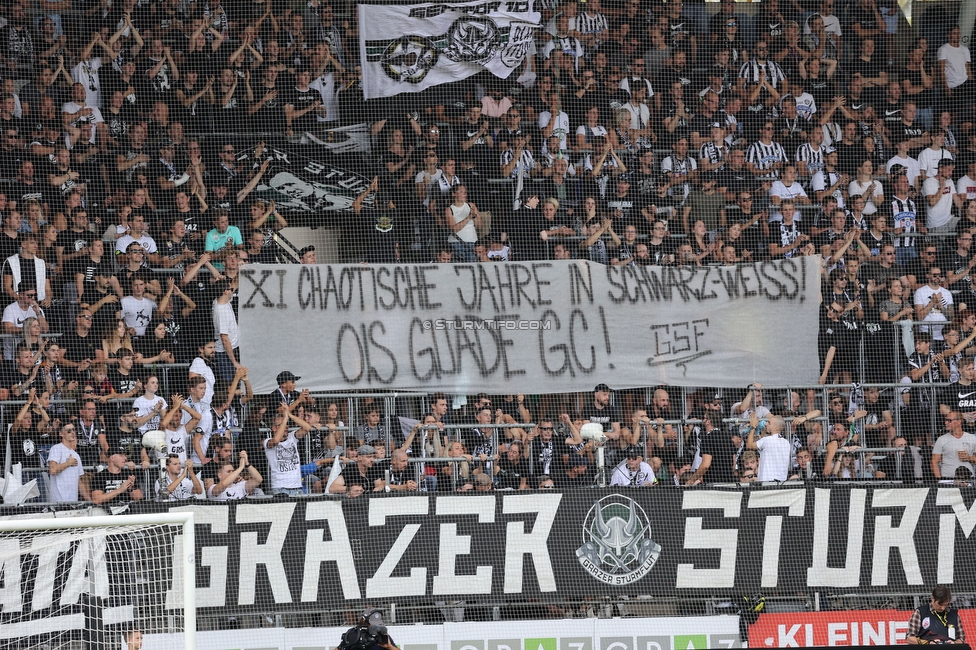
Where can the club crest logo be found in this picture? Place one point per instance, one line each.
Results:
(409, 59)
(617, 546)
(471, 40)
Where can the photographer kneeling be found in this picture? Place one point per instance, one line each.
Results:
(370, 634)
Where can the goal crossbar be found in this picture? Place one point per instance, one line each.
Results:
(183, 519)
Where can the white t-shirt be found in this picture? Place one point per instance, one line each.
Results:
(86, 74)
(624, 477)
(940, 213)
(782, 191)
(12, 313)
(938, 312)
(561, 128)
(144, 405)
(200, 367)
(178, 443)
(948, 446)
(284, 462)
(956, 59)
(928, 160)
(182, 492)
(147, 242)
(64, 485)
(137, 312)
(869, 190)
(206, 424)
(326, 87)
(225, 322)
(774, 458)
(819, 183)
(908, 163)
(966, 186)
(237, 490)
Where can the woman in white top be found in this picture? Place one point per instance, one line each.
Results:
(178, 484)
(586, 134)
(149, 402)
(464, 220)
(865, 185)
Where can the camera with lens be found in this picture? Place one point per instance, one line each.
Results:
(369, 634)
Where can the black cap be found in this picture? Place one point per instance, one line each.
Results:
(634, 452)
(601, 388)
(307, 249)
(945, 162)
(625, 177)
(287, 375)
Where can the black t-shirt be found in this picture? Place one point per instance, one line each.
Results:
(271, 115)
(88, 447)
(783, 235)
(959, 397)
(352, 476)
(130, 440)
(717, 444)
(170, 249)
(11, 375)
(107, 482)
(75, 348)
(510, 474)
(8, 245)
(169, 172)
(28, 271)
(605, 416)
(197, 224)
(300, 100)
(22, 192)
(547, 457)
(73, 241)
(123, 383)
(25, 448)
(90, 268)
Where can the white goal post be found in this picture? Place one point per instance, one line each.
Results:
(39, 547)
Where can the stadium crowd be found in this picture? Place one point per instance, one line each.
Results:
(637, 133)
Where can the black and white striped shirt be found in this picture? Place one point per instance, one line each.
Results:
(714, 154)
(587, 23)
(813, 159)
(904, 214)
(525, 164)
(764, 156)
(751, 71)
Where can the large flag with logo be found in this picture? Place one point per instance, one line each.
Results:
(407, 48)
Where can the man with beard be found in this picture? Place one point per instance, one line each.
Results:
(660, 409)
(203, 366)
(602, 413)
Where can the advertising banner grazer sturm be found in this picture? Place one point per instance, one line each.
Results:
(411, 47)
(514, 327)
(287, 555)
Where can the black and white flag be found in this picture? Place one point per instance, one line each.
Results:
(408, 48)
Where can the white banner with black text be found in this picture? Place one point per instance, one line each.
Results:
(530, 327)
(407, 48)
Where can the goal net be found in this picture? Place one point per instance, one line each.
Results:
(88, 582)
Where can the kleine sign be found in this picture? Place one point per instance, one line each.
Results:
(840, 628)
